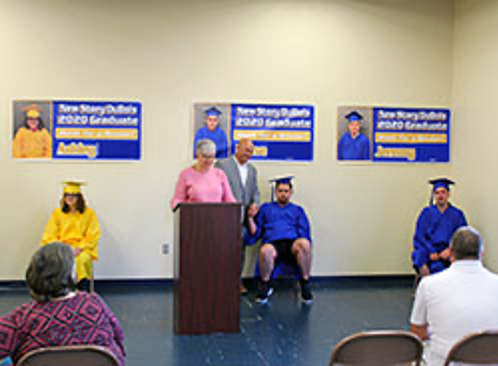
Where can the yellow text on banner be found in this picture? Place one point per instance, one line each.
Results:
(411, 138)
(270, 135)
(97, 133)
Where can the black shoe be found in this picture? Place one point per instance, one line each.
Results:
(83, 285)
(264, 292)
(306, 295)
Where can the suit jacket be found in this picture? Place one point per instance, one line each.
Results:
(248, 194)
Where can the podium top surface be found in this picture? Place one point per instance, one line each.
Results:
(206, 204)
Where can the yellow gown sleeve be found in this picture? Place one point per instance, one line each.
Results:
(47, 144)
(17, 144)
(91, 235)
(52, 230)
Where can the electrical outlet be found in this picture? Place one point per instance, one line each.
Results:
(165, 248)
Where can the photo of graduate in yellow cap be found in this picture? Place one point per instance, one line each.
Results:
(77, 225)
(32, 138)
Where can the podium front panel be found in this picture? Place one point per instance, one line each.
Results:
(207, 268)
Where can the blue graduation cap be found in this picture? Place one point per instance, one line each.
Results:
(284, 179)
(438, 183)
(354, 116)
(213, 111)
(441, 182)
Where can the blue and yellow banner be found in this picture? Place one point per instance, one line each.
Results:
(411, 135)
(279, 131)
(76, 130)
(97, 130)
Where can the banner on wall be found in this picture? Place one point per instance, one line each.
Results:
(280, 132)
(390, 134)
(77, 130)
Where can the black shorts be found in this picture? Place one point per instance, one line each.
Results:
(284, 251)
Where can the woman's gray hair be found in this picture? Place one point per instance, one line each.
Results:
(50, 273)
(205, 146)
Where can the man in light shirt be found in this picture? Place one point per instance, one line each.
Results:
(243, 179)
(461, 300)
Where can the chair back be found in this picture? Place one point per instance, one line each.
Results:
(83, 355)
(478, 348)
(378, 348)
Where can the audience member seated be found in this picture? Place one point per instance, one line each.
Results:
(286, 236)
(458, 301)
(58, 316)
(436, 225)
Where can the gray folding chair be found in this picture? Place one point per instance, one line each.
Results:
(378, 348)
(476, 348)
(84, 355)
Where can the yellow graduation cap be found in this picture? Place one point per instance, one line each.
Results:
(73, 187)
(32, 111)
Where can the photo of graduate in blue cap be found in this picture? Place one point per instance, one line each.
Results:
(208, 123)
(353, 145)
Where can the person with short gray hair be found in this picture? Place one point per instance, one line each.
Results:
(467, 243)
(202, 182)
(205, 146)
(59, 315)
(458, 301)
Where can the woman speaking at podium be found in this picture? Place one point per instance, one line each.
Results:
(202, 182)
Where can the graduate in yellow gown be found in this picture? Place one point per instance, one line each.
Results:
(32, 140)
(77, 225)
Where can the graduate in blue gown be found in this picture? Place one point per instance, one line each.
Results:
(285, 232)
(213, 132)
(435, 226)
(353, 145)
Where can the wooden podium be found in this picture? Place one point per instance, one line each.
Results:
(207, 268)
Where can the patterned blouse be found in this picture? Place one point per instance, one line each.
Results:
(82, 319)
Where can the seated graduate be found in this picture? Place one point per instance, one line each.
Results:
(436, 225)
(286, 236)
(353, 145)
(77, 225)
(202, 182)
(58, 316)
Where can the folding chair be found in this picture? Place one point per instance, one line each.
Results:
(83, 355)
(378, 348)
(476, 348)
(92, 279)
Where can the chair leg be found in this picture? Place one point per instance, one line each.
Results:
(92, 284)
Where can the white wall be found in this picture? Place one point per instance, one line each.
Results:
(475, 93)
(169, 54)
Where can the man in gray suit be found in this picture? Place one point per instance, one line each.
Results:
(243, 179)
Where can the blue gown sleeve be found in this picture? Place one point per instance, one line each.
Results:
(365, 155)
(304, 229)
(340, 155)
(421, 239)
(222, 148)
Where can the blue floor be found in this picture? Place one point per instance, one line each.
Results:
(282, 333)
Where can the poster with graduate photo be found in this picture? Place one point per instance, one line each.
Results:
(393, 134)
(411, 135)
(77, 130)
(280, 132)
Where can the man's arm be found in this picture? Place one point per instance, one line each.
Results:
(418, 318)
(420, 331)
(255, 195)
